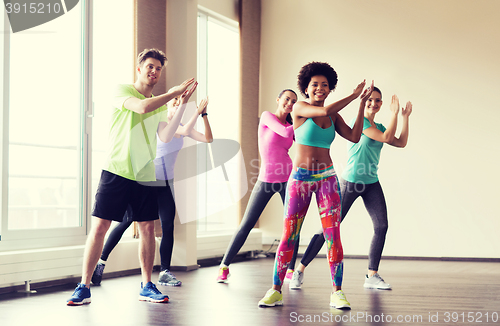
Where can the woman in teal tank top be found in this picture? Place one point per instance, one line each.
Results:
(315, 126)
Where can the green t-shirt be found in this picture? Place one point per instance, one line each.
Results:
(132, 138)
(362, 164)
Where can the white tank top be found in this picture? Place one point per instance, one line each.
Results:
(166, 155)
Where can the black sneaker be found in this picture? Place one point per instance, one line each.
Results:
(97, 275)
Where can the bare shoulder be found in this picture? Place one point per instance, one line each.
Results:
(301, 104)
(299, 107)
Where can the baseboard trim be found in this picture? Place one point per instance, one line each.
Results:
(183, 268)
(464, 259)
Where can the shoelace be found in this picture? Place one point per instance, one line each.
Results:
(270, 293)
(296, 276)
(341, 295)
(378, 277)
(169, 273)
(78, 291)
(153, 289)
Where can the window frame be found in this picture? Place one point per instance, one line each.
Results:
(51, 237)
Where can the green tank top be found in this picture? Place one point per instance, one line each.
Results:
(364, 156)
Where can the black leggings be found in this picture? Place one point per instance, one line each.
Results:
(261, 194)
(166, 211)
(374, 200)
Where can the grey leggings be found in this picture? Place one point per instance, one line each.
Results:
(374, 200)
(261, 194)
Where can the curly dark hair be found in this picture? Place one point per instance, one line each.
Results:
(316, 69)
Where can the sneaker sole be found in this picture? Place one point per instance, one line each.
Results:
(147, 299)
(168, 284)
(223, 280)
(277, 303)
(369, 286)
(84, 301)
(294, 287)
(345, 306)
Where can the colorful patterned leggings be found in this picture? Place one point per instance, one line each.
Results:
(301, 185)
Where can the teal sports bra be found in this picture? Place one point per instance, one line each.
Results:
(310, 134)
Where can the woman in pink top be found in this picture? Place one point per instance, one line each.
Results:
(275, 138)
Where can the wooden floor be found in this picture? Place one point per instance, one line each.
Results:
(424, 293)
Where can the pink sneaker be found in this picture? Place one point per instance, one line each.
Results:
(288, 276)
(223, 275)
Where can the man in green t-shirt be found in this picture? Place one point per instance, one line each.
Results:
(136, 118)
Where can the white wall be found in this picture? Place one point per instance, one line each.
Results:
(441, 190)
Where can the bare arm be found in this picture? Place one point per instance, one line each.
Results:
(196, 135)
(186, 129)
(150, 104)
(354, 134)
(303, 109)
(403, 138)
(388, 135)
(165, 130)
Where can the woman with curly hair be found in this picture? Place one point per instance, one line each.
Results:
(315, 126)
(360, 179)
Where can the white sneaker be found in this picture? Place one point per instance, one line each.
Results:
(376, 282)
(297, 280)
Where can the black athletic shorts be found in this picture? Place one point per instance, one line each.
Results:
(116, 194)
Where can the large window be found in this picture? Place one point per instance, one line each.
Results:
(219, 78)
(43, 129)
(113, 64)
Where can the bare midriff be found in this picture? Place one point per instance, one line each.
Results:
(312, 158)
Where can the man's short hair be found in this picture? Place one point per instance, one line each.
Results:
(151, 53)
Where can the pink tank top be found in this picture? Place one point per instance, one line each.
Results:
(275, 140)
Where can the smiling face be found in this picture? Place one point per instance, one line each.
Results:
(318, 89)
(374, 103)
(286, 101)
(150, 71)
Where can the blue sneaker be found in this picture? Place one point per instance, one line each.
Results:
(80, 296)
(151, 294)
